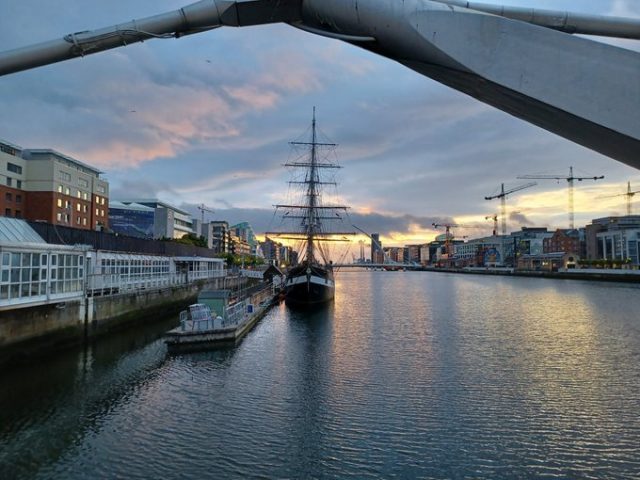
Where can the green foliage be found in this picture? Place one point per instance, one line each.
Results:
(192, 239)
(237, 260)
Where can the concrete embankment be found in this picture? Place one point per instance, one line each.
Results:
(27, 333)
(630, 276)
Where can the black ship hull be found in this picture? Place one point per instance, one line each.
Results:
(309, 285)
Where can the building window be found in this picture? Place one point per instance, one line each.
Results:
(59, 188)
(97, 199)
(7, 212)
(59, 203)
(97, 212)
(85, 196)
(18, 213)
(18, 198)
(101, 189)
(67, 204)
(79, 195)
(8, 197)
(84, 183)
(102, 213)
(102, 201)
(78, 207)
(64, 176)
(12, 167)
(78, 220)
(67, 191)
(7, 149)
(18, 183)
(85, 209)
(84, 221)
(9, 181)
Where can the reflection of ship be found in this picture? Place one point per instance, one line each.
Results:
(311, 281)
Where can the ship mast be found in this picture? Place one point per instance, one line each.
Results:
(312, 212)
(312, 194)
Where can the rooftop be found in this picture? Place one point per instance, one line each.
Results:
(28, 153)
(155, 202)
(14, 230)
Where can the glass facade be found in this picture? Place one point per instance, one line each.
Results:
(134, 223)
(31, 276)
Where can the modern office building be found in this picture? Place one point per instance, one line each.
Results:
(614, 238)
(377, 254)
(530, 240)
(45, 185)
(131, 219)
(218, 236)
(244, 231)
(271, 251)
(157, 220)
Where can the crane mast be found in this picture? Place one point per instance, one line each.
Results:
(447, 235)
(503, 203)
(202, 207)
(493, 217)
(570, 182)
(629, 194)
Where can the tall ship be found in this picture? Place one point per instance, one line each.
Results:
(314, 224)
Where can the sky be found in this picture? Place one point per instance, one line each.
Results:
(206, 119)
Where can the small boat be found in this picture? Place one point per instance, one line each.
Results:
(201, 324)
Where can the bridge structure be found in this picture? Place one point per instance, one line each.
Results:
(524, 61)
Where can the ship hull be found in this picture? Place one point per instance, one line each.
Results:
(308, 286)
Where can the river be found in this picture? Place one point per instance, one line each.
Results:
(405, 375)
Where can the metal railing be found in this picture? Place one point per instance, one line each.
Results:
(114, 283)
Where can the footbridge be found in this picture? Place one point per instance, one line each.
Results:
(524, 61)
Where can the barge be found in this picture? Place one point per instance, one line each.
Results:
(219, 317)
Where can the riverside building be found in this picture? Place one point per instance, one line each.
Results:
(45, 185)
(150, 218)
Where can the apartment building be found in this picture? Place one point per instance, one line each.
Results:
(45, 185)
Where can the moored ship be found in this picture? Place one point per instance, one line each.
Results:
(311, 281)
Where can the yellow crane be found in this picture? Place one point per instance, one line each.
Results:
(503, 203)
(493, 217)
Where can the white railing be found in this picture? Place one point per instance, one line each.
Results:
(112, 283)
(252, 273)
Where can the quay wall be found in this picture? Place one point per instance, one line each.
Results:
(29, 332)
(630, 276)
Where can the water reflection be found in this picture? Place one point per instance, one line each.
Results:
(405, 375)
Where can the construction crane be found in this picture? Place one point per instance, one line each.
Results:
(447, 234)
(570, 179)
(629, 194)
(503, 203)
(493, 217)
(202, 207)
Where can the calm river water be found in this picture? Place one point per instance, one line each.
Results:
(406, 375)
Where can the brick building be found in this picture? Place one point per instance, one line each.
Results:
(42, 184)
(567, 241)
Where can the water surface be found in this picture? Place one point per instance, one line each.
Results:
(406, 375)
